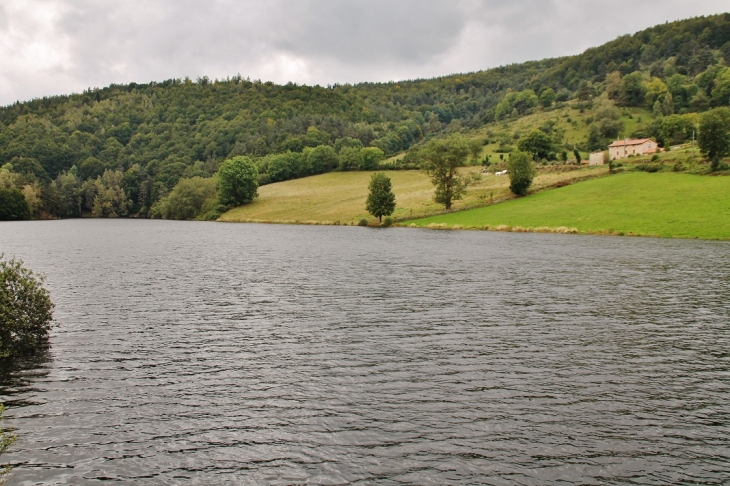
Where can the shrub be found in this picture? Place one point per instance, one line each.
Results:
(649, 167)
(654, 157)
(521, 172)
(26, 310)
(189, 199)
(388, 221)
(362, 222)
(213, 213)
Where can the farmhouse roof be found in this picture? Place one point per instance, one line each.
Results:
(623, 143)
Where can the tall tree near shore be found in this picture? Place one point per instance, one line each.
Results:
(13, 205)
(237, 181)
(440, 158)
(381, 200)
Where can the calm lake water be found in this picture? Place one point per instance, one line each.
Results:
(208, 353)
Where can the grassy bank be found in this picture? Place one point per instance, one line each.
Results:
(638, 203)
(339, 197)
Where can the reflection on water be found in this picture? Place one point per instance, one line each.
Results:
(18, 377)
(204, 353)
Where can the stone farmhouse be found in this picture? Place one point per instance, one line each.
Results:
(620, 149)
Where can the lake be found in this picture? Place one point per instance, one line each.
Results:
(210, 353)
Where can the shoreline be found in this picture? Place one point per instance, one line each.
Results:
(497, 228)
(564, 230)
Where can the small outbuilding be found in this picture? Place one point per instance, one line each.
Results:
(597, 158)
(620, 149)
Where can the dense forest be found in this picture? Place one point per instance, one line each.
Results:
(122, 149)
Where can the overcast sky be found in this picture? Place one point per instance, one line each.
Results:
(61, 46)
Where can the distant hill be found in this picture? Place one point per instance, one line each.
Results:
(156, 133)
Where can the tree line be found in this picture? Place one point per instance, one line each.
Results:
(120, 150)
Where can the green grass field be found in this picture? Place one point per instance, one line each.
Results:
(339, 197)
(638, 203)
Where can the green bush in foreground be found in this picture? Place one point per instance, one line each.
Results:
(521, 172)
(6, 440)
(26, 310)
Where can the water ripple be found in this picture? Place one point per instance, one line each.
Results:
(196, 353)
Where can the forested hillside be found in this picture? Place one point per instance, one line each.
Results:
(118, 150)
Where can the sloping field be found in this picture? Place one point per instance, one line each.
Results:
(339, 197)
(661, 204)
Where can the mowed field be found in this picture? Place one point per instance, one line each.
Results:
(339, 197)
(638, 203)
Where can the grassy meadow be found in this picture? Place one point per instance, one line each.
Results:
(635, 203)
(339, 197)
(677, 201)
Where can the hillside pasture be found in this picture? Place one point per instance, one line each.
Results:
(339, 197)
(633, 203)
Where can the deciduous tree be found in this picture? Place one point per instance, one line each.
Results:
(381, 200)
(189, 199)
(13, 206)
(26, 310)
(521, 172)
(632, 89)
(714, 139)
(322, 158)
(110, 200)
(370, 157)
(237, 181)
(547, 98)
(537, 143)
(440, 159)
(475, 150)
(584, 91)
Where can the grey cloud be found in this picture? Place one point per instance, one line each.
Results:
(314, 41)
(409, 31)
(3, 19)
(179, 35)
